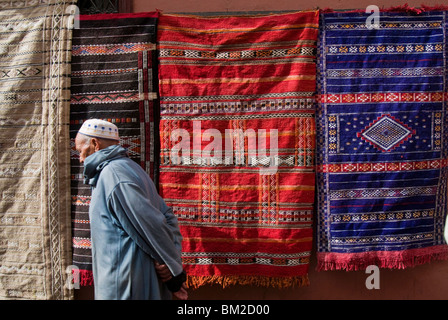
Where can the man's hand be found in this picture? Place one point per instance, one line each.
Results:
(165, 275)
(182, 294)
(163, 272)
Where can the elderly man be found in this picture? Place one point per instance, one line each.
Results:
(136, 242)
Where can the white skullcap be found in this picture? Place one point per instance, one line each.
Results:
(99, 129)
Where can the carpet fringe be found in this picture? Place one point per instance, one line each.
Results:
(85, 277)
(261, 281)
(386, 260)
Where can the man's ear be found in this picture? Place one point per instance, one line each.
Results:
(95, 143)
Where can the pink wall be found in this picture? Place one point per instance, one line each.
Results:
(428, 281)
(171, 6)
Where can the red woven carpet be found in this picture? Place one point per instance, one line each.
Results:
(237, 144)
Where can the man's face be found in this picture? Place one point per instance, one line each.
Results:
(84, 149)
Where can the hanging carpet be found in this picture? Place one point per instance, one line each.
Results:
(113, 78)
(237, 144)
(35, 236)
(382, 144)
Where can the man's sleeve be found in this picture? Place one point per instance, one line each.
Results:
(171, 220)
(146, 225)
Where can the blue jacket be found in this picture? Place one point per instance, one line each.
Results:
(131, 226)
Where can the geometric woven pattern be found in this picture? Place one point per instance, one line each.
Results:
(237, 144)
(386, 133)
(35, 237)
(382, 144)
(112, 79)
